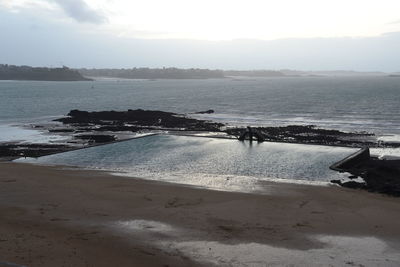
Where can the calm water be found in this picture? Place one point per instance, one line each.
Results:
(355, 103)
(207, 162)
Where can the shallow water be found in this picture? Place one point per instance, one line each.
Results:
(340, 251)
(214, 163)
(10, 132)
(325, 250)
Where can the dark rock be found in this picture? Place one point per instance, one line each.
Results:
(353, 185)
(30, 150)
(100, 138)
(309, 134)
(63, 130)
(350, 184)
(210, 111)
(139, 117)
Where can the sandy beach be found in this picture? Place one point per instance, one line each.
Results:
(50, 216)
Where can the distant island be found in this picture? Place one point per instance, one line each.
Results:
(255, 73)
(156, 73)
(12, 72)
(193, 73)
(176, 73)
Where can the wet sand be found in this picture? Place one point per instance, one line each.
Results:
(55, 217)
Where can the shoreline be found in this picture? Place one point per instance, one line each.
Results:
(54, 217)
(379, 178)
(129, 175)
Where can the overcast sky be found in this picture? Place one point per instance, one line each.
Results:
(229, 34)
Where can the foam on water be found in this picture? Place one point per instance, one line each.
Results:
(15, 133)
(387, 153)
(345, 123)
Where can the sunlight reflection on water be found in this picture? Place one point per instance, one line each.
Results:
(213, 163)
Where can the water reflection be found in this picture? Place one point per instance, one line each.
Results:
(207, 161)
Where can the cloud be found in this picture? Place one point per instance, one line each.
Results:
(80, 11)
(394, 22)
(54, 41)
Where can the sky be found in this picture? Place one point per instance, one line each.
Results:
(361, 35)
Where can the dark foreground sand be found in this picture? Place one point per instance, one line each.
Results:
(54, 217)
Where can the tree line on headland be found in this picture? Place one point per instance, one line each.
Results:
(12, 72)
(156, 73)
(176, 73)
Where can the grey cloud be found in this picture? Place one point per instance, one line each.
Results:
(53, 43)
(80, 11)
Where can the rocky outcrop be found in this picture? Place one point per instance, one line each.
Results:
(210, 111)
(30, 150)
(309, 134)
(115, 120)
(96, 138)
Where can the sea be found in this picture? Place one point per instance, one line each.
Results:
(369, 104)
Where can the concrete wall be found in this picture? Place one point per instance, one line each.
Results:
(352, 160)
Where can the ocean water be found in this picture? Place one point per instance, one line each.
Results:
(348, 103)
(215, 163)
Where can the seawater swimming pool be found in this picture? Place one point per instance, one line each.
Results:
(209, 162)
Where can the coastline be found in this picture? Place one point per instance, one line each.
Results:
(54, 217)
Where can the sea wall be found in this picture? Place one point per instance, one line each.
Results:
(352, 160)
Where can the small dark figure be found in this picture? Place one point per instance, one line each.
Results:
(250, 133)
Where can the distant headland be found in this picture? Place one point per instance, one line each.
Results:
(195, 73)
(154, 73)
(12, 72)
(176, 73)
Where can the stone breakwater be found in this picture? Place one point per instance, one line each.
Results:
(382, 176)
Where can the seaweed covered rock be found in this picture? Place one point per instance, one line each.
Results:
(97, 138)
(310, 134)
(139, 117)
